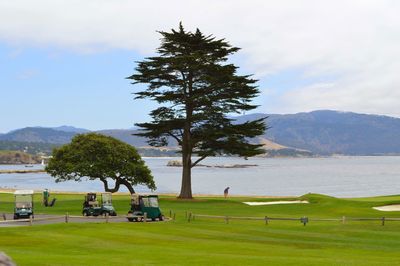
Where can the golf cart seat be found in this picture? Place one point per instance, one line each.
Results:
(23, 205)
(93, 203)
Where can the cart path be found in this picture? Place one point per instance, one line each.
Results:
(53, 219)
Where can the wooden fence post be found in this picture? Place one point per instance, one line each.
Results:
(227, 219)
(266, 220)
(383, 221)
(145, 217)
(66, 217)
(304, 220)
(189, 217)
(173, 218)
(343, 219)
(30, 220)
(170, 213)
(4, 217)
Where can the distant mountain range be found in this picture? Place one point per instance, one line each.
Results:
(318, 132)
(39, 134)
(71, 129)
(126, 135)
(331, 132)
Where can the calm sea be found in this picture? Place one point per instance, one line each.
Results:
(335, 176)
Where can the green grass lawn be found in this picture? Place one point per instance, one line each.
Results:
(210, 241)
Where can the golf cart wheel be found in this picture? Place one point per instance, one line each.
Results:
(153, 219)
(161, 218)
(85, 213)
(131, 219)
(16, 217)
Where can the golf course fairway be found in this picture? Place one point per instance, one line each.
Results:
(206, 241)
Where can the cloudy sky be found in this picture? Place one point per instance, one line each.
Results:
(64, 62)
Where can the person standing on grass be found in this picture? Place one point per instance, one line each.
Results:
(46, 195)
(226, 191)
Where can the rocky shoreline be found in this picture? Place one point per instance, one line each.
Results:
(18, 157)
(177, 163)
(22, 171)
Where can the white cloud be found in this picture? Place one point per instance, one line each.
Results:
(355, 41)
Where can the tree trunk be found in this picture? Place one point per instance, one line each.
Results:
(186, 187)
(128, 186)
(118, 182)
(108, 189)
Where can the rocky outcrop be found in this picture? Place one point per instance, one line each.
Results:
(17, 157)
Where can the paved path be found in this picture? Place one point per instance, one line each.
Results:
(51, 219)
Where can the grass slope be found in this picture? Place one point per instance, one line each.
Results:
(212, 242)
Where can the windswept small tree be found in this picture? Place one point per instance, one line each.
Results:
(102, 158)
(196, 90)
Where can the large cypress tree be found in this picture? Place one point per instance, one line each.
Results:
(196, 90)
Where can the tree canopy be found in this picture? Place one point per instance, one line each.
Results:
(197, 90)
(102, 158)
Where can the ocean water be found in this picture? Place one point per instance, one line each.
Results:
(335, 176)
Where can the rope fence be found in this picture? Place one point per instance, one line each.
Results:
(65, 218)
(190, 217)
(68, 218)
(304, 220)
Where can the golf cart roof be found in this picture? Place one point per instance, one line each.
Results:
(23, 192)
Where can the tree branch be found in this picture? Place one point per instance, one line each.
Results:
(128, 185)
(183, 75)
(176, 138)
(112, 190)
(198, 160)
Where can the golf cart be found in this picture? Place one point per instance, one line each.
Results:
(23, 204)
(141, 204)
(91, 206)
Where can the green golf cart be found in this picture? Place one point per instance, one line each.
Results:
(23, 204)
(141, 204)
(91, 206)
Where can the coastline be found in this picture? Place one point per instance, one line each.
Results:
(349, 177)
(11, 191)
(22, 171)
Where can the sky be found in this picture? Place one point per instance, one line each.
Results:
(65, 62)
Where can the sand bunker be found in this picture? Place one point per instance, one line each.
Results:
(276, 202)
(388, 208)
